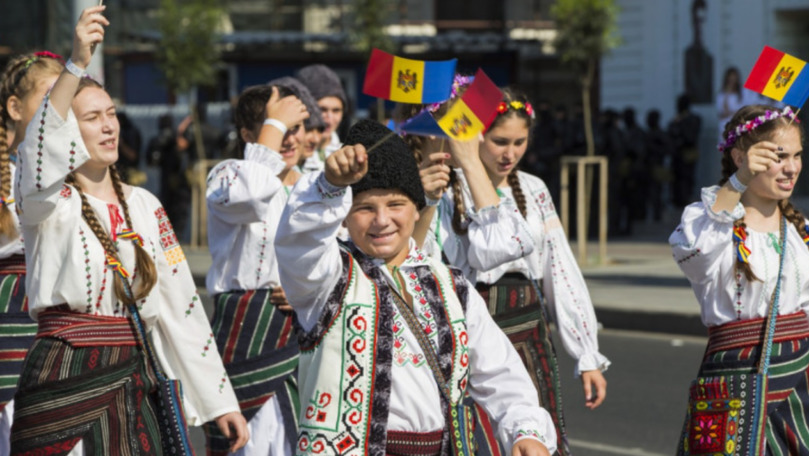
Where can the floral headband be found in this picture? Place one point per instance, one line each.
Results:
(457, 82)
(503, 107)
(752, 124)
(39, 55)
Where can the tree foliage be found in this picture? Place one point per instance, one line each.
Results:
(187, 53)
(370, 19)
(586, 30)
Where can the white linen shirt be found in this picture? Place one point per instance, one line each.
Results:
(66, 262)
(703, 247)
(547, 258)
(245, 199)
(309, 256)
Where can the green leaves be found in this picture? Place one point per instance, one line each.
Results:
(586, 30)
(370, 19)
(187, 53)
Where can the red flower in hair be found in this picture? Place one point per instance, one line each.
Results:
(502, 107)
(529, 109)
(50, 55)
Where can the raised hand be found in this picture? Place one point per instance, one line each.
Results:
(89, 32)
(347, 166)
(289, 110)
(434, 174)
(465, 153)
(758, 159)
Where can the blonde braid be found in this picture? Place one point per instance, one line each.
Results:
(147, 273)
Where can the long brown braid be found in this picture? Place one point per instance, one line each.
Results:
(513, 178)
(766, 131)
(19, 78)
(145, 274)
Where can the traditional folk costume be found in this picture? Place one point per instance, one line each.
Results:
(515, 290)
(17, 330)
(734, 308)
(256, 339)
(85, 378)
(366, 387)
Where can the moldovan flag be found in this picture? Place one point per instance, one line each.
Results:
(780, 76)
(475, 110)
(408, 81)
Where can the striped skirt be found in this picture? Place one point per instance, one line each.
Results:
(733, 350)
(515, 306)
(260, 351)
(85, 379)
(17, 329)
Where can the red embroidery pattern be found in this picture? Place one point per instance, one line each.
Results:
(168, 240)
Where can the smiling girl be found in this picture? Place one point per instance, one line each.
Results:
(729, 245)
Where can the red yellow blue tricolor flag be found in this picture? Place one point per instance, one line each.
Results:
(780, 76)
(475, 110)
(408, 81)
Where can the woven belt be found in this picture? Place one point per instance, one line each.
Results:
(401, 443)
(15, 264)
(739, 334)
(84, 330)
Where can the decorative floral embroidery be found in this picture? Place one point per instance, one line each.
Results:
(87, 270)
(41, 139)
(327, 190)
(223, 382)
(401, 355)
(66, 192)
(690, 256)
(261, 252)
(194, 301)
(315, 410)
(207, 345)
(168, 240)
(72, 158)
(525, 433)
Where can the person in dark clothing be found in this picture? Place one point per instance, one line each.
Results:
(613, 146)
(174, 190)
(684, 132)
(638, 180)
(130, 144)
(658, 151)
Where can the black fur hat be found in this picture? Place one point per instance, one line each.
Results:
(390, 165)
(315, 120)
(322, 82)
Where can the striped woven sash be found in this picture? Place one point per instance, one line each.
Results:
(747, 333)
(401, 443)
(15, 264)
(84, 330)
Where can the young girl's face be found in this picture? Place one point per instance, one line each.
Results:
(779, 181)
(292, 145)
(504, 146)
(98, 124)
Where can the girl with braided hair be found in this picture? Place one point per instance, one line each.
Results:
(730, 247)
(86, 233)
(545, 271)
(22, 87)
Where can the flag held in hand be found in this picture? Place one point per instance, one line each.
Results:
(408, 81)
(780, 76)
(475, 110)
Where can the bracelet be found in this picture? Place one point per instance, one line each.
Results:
(277, 124)
(736, 183)
(431, 202)
(74, 69)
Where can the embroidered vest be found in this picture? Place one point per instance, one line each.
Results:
(345, 363)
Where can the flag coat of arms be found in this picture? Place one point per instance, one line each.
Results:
(780, 76)
(406, 80)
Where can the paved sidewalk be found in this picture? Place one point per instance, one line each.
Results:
(641, 288)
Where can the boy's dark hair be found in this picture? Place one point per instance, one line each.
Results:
(251, 108)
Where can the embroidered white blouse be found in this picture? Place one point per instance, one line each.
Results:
(310, 261)
(547, 258)
(16, 246)
(703, 247)
(245, 199)
(66, 265)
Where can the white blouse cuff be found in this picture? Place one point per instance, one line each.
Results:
(327, 189)
(260, 153)
(591, 361)
(484, 215)
(709, 199)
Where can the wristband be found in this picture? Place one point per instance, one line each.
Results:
(277, 124)
(736, 183)
(73, 69)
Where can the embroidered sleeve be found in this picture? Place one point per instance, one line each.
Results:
(523, 434)
(239, 191)
(703, 242)
(52, 149)
(306, 246)
(183, 337)
(566, 292)
(497, 235)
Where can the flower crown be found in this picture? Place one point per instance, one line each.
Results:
(503, 107)
(457, 82)
(39, 55)
(752, 124)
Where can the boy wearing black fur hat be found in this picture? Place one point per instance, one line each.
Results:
(391, 340)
